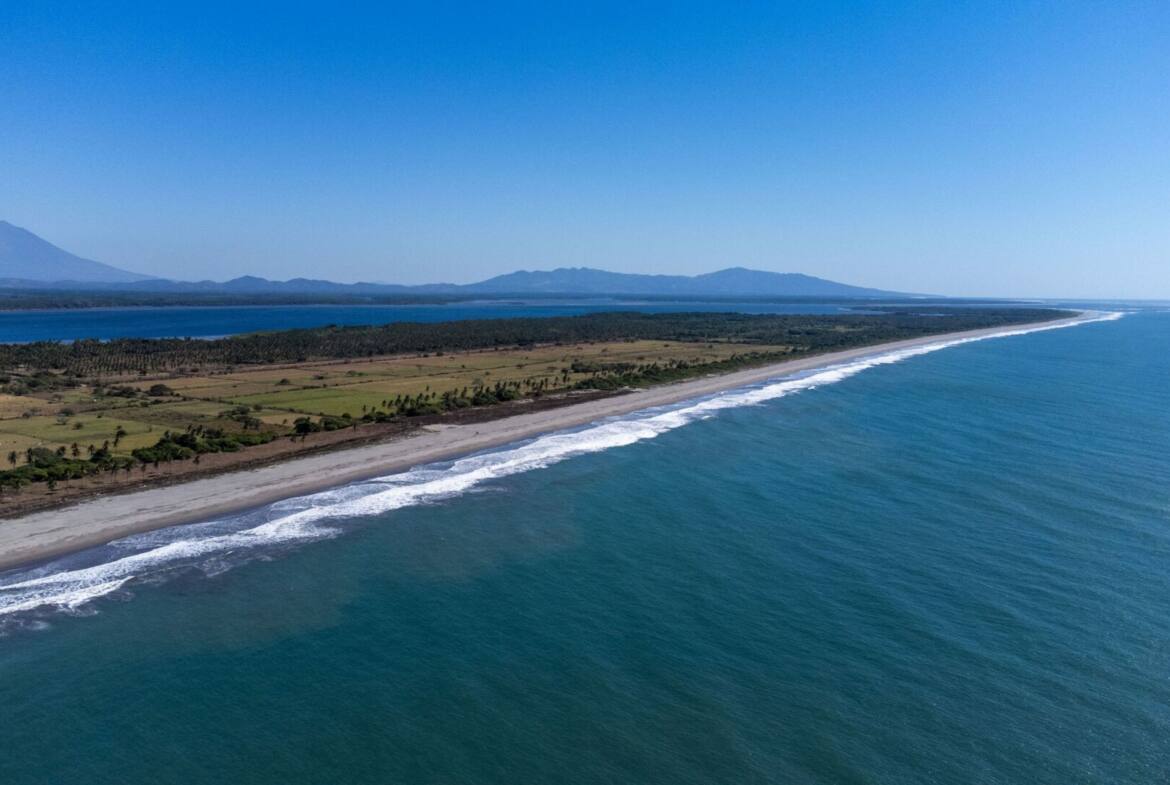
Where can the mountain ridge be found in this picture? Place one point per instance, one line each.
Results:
(29, 262)
(729, 281)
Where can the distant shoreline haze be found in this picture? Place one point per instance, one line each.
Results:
(31, 262)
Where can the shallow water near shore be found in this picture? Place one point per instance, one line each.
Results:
(951, 568)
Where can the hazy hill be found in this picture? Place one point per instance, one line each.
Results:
(730, 282)
(27, 257)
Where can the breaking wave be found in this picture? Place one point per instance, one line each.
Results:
(71, 583)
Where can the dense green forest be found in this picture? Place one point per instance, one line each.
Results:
(807, 333)
(19, 298)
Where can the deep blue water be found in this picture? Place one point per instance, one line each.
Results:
(954, 568)
(215, 321)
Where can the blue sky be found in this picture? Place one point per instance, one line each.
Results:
(962, 148)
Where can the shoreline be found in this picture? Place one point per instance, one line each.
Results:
(40, 536)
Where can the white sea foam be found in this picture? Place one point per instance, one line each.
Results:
(60, 587)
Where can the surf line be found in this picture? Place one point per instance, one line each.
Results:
(60, 587)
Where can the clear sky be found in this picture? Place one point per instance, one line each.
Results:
(1010, 148)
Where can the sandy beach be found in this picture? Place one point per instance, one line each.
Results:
(99, 520)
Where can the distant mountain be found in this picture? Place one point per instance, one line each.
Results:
(27, 261)
(24, 256)
(734, 281)
(577, 282)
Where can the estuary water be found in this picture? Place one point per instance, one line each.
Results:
(945, 566)
(218, 321)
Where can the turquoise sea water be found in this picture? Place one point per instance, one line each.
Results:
(949, 568)
(215, 321)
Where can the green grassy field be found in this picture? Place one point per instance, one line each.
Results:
(276, 395)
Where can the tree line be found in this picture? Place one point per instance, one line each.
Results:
(93, 359)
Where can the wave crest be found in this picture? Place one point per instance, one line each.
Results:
(62, 586)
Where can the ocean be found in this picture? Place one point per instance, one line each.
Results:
(217, 321)
(945, 566)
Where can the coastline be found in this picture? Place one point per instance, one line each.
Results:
(42, 535)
